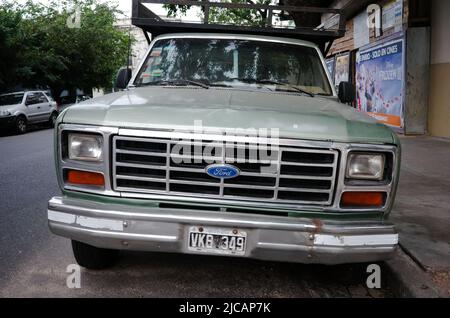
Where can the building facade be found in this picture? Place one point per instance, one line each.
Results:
(397, 54)
(439, 102)
(140, 44)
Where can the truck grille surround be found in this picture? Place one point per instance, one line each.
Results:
(294, 175)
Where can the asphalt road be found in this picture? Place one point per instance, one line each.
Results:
(33, 262)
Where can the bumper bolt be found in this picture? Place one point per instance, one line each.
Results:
(311, 237)
(125, 243)
(125, 224)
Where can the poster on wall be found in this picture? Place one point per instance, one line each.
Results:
(392, 16)
(330, 66)
(379, 82)
(342, 69)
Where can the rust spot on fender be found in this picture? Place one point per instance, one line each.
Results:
(318, 225)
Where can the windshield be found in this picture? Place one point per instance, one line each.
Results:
(235, 63)
(11, 99)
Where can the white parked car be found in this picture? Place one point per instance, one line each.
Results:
(19, 109)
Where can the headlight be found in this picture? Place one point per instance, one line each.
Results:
(4, 113)
(85, 147)
(365, 166)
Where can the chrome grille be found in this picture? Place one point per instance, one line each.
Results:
(302, 175)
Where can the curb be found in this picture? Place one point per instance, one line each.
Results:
(409, 280)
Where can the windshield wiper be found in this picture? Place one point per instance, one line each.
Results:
(177, 82)
(271, 82)
(300, 90)
(195, 83)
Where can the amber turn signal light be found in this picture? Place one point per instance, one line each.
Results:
(85, 178)
(362, 199)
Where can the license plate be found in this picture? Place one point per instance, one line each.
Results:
(217, 240)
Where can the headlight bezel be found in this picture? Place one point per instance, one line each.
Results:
(63, 163)
(88, 137)
(379, 176)
(387, 185)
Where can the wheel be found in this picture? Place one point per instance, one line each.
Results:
(92, 257)
(21, 125)
(52, 119)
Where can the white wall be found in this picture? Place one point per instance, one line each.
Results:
(140, 46)
(440, 31)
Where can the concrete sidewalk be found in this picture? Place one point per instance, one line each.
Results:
(422, 209)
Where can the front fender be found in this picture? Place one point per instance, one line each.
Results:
(19, 113)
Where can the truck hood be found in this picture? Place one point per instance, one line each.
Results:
(296, 116)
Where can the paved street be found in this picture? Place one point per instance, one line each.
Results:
(33, 261)
(422, 209)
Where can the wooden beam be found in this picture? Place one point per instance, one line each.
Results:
(144, 18)
(249, 6)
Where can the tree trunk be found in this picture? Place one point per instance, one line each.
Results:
(56, 92)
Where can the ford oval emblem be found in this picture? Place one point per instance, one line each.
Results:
(222, 171)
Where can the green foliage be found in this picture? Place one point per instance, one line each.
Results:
(240, 16)
(10, 43)
(243, 17)
(37, 48)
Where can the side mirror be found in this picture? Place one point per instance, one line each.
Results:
(347, 92)
(123, 77)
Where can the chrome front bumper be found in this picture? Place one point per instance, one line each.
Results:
(130, 227)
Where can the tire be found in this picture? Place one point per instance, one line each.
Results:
(21, 125)
(92, 257)
(52, 120)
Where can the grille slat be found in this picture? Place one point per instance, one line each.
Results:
(296, 175)
(140, 146)
(298, 164)
(141, 153)
(189, 176)
(305, 158)
(140, 185)
(253, 180)
(140, 159)
(309, 184)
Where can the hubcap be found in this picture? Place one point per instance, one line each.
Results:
(21, 125)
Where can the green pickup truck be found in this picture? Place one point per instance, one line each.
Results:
(227, 145)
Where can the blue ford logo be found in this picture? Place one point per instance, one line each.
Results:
(222, 171)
